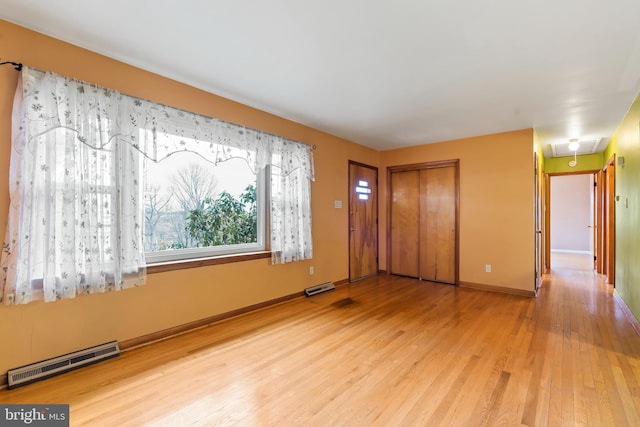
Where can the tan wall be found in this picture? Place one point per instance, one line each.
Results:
(496, 204)
(626, 143)
(37, 331)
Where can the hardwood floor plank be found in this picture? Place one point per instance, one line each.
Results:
(453, 393)
(490, 411)
(580, 407)
(405, 352)
(536, 359)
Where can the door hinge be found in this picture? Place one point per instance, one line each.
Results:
(595, 258)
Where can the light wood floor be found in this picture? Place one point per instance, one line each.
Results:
(405, 353)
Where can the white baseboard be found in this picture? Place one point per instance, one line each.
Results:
(570, 251)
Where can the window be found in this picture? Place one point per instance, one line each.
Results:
(95, 190)
(363, 190)
(196, 208)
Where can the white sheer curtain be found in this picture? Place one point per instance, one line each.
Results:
(76, 212)
(290, 202)
(75, 216)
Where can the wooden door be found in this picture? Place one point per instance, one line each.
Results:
(438, 224)
(547, 222)
(595, 228)
(404, 219)
(363, 221)
(610, 191)
(423, 221)
(600, 221)
(538, 237)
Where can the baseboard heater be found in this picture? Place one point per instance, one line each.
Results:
(313, 290)
(48, 368)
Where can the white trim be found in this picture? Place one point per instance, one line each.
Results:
(570, 251)
(262, 203)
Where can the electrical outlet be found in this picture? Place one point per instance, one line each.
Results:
(487, 268)
(311, 271)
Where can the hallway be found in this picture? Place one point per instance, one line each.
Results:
(593, 347)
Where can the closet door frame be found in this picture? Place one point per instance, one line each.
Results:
(455, 163)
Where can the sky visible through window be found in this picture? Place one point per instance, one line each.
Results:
(232, 175)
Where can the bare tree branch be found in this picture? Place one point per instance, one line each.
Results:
(192, 185)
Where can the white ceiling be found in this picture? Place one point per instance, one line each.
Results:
(381, 73)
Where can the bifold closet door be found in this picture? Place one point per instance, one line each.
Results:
(405, 230)
(438, 224)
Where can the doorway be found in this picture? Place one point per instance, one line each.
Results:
(607, 207)
(599, 230)
(363, 221)
(606, 220)
(538, 176)
(572, 221)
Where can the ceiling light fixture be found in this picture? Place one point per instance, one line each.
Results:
(573, 146)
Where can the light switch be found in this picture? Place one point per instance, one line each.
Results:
(337, 204)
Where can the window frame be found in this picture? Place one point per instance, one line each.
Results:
(203, 262)
(224, 253)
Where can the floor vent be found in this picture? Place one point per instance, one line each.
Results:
(319, 289)
(57, 365)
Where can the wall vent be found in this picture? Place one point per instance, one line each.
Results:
(319, 289)
(57, 365)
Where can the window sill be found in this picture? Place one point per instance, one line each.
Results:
(161, 267)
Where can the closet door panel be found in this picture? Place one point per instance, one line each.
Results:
(438, 224)
(405, 205)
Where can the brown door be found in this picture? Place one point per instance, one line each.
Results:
(423, 221)
(547, 222)
(600, 221)
(438, 224)
(595, 228)
(363, 221)
(610, 221)
(537, 176)
(405, 214)
(605, 221)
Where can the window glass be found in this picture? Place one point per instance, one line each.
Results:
(195, 208)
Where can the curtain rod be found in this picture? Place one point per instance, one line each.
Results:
(16, 65)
